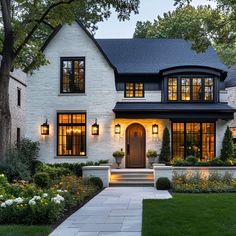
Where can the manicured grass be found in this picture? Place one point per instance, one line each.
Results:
(190, 214)
(22, 230)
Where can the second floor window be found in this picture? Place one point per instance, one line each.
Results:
(134, 90)
(72, 75)
(18, 97)
(190, 89)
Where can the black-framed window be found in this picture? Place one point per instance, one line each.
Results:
(134, 90)
(73, 75)
(71, 134)
(190, 89)
(18, 136)
(172, 89)
(193, 139)
(18, 97)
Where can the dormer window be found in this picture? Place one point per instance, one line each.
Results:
(73, 75)
(190, 89)
(134, 90)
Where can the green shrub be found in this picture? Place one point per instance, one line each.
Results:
(118, 154)
(21, 160)
(216, 162)
(192, 159)
(151, 153)
(53, 171)
(96, 181)
(227, 146)
(165, 155)
(41, 179)
(163, 183)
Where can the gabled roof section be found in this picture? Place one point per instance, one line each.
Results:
(230, 81)
(89, 35)
(151, 56)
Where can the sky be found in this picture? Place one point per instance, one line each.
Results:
(149, 9)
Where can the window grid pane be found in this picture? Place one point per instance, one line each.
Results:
(129, 90)
(208, 141)
(73, 76)
(178, 140)
(185, 89)
(71, 135)
(138, 90)
(172, 89)
(209, 89)
(197, 89)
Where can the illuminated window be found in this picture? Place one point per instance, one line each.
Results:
(134, 90)
(193, 139)
(172, 89)
(71, 134)
(190, 89)
(72, 75)
(197, 89)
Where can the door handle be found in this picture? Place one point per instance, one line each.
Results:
(128, 149)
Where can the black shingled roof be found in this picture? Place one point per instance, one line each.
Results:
(230, 81)
(132, 56)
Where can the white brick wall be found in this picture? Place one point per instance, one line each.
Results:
(17, 113)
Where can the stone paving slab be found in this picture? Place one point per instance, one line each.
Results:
(116, 211)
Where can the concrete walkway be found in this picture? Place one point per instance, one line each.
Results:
(116, 211)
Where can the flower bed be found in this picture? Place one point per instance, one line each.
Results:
(200, 183)
(25, 203)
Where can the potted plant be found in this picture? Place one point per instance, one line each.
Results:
(151, 155)
(118, 155)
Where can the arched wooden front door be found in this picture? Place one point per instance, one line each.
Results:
(135, 146)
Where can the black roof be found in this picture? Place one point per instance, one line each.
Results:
(174, 110)
(230, 81)
(150, 56)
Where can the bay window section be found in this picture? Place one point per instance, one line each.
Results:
(71, 132)
(190, 89)
(193, 139)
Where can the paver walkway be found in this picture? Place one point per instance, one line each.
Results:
(116, 211)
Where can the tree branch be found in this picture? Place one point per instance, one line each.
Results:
(41, 20)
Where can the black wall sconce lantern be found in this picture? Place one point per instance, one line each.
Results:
(95, 128)
(155, 129)
(117, 129)
(45, 128)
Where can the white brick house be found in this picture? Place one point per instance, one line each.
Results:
(127, 84)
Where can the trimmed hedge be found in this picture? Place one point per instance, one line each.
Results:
(163, 183)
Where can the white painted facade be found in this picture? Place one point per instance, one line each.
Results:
(98, 101)
(18, 112)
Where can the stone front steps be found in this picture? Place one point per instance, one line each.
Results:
(131, 177)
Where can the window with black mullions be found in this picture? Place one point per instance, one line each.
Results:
(71, 134)
(134, 90)
(73, 75)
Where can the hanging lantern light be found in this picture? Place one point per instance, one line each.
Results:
(155, 129)
(45, 128)
(117, 129)
(95, 128)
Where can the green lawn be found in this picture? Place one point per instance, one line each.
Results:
(191, 215)
(21, 230)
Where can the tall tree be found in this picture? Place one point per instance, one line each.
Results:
(24, 27)
(203, 25)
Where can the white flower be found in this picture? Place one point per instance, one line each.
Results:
(62, 191)
(45, 195)
(2, 175)
(18, 200)
(1, 196)
(58, 199)
(32, 202)
(36, 198)
(9, 202)
(3, 204)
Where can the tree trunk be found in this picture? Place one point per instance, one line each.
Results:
(5, 115)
